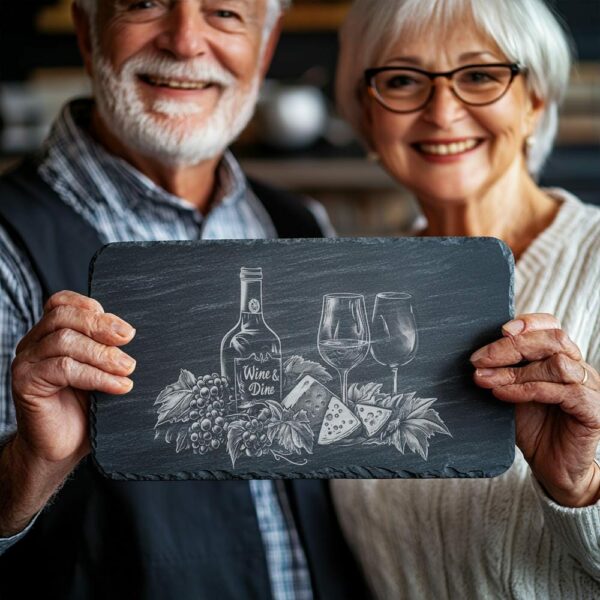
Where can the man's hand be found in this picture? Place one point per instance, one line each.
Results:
(557, 397)
(72, 349)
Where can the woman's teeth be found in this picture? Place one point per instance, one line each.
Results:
(445, 149)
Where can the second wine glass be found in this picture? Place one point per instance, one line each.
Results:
(394, 331)
(344, 335)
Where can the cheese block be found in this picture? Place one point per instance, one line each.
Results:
(339, 423)
(309, 395)
(372, 417)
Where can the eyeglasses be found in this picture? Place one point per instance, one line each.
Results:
(406, 89)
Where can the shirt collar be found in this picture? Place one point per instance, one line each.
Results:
(72, 159)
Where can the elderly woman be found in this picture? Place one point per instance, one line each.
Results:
(458, 99)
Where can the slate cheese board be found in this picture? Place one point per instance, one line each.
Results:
(335, 358)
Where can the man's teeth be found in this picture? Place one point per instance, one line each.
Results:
(180, 85)
(444, 149)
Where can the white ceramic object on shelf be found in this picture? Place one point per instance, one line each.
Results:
(291, 116)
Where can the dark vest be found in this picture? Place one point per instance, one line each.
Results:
(153, 540)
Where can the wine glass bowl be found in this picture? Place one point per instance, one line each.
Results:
(394, 335)
(344, 334)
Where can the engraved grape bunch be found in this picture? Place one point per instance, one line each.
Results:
(200, 414)
(208, 409)
(255, 441)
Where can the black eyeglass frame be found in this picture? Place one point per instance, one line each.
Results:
(369, 75)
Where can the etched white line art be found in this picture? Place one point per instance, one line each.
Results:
(344, 336)
(339, 423)
(411, 424)
(311, 396)
(251, 351)
(258, 408)
(372, 417)
(192, 412)
(394, 336)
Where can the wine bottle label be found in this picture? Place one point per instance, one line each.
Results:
(258, 378)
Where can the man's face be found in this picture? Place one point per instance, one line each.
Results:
(178, 79)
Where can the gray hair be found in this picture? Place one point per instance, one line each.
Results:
(526, 31)
(274, 9)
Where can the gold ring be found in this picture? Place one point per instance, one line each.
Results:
(585, 375)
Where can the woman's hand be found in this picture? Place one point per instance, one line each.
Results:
(557, 397)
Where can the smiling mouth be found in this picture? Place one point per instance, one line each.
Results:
(447, 149)
(175, 84)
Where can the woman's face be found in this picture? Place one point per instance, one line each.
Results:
(487, 141)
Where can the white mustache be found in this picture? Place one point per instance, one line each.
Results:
(165, 68)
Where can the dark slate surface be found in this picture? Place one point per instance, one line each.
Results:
(183, 297)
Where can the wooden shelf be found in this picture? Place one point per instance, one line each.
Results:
(317, 17)
(55, 19)
(579, 130)
(320, 173)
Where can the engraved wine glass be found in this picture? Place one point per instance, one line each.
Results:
(394, 333)
(344, 335)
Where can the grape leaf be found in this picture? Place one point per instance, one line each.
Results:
(413, 407)
(417, 440)
(278, 413)
(413, 422)
(293, 434)
(392, 402)
(187, 378)
(186, 381)
(166, 392)
(296, 367)
(174, 401)
(234, 440)
(276, 408)
(169, 434)
(182, 439)
(364, 394)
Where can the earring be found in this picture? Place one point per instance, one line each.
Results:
(372, 156)
(529, 144)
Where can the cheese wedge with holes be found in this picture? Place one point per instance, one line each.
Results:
(339, 423)
(373, 417)
(309, 395)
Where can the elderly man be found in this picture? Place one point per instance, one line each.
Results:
(175, 81)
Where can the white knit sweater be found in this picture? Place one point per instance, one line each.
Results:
(502, 537)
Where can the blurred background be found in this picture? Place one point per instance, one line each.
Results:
(295, 141)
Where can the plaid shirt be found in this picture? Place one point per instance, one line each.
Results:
(124, 205)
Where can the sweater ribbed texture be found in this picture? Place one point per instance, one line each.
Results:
(503, 537)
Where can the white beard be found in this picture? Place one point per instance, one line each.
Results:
(164, 130)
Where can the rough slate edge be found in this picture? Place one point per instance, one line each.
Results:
(351, 471)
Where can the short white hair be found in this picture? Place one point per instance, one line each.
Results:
(274, 10)
(526, 31)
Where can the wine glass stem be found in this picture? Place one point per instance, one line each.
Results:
(395, 375)
(344, 383)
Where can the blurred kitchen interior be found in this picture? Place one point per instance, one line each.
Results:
(295, 141)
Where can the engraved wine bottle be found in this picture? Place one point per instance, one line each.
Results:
(251, 351)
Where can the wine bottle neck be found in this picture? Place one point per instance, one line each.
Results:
(251, 298)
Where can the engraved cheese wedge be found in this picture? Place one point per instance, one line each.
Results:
(372, 417)
(309, 395)
(339, 423)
